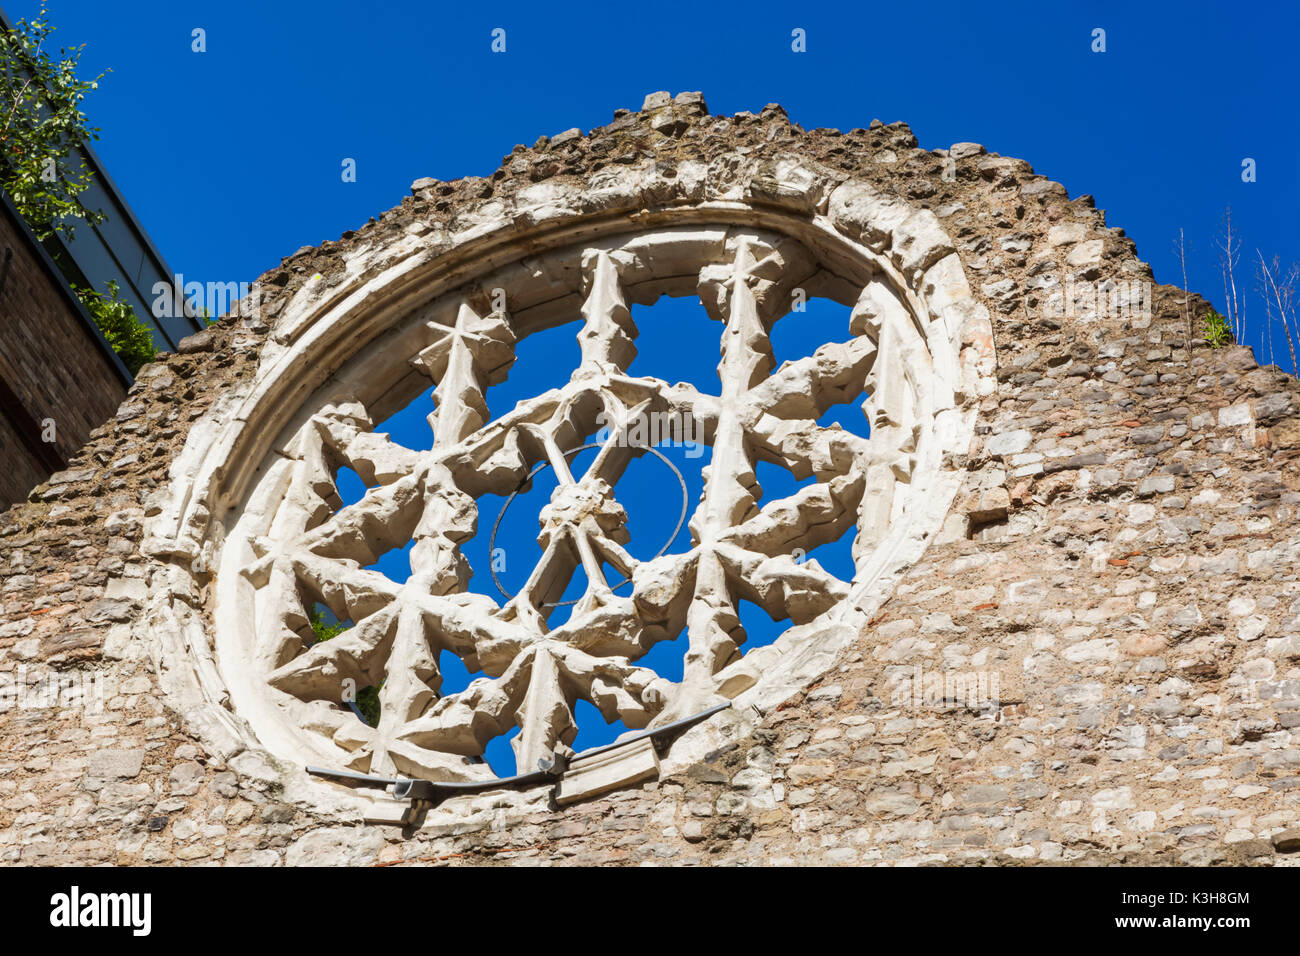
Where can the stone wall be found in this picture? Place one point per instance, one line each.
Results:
(1121, 556)
(53, 366)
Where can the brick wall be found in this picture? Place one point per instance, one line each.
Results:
(51, 367)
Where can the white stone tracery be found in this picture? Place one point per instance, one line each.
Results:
(917, 350)
(535, 673)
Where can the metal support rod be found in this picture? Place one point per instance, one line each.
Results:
(435, 791)
(657, 732)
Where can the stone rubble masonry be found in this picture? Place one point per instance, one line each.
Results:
(1122, 558)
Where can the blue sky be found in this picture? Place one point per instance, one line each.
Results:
(231, 158)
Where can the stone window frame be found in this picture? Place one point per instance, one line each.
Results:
(328, 323)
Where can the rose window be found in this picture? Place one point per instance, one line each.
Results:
(287, 544)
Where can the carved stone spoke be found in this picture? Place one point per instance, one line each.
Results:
(608, 337)
(410, 685)
(462, 360)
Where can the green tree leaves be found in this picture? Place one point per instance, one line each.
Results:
(367, 697)
(41, 124)
(130, 338)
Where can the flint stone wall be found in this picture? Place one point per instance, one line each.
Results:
(1122, 556)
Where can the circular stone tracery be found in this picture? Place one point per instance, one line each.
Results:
(918, 350)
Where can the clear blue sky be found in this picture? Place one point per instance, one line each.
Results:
(231, 158)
